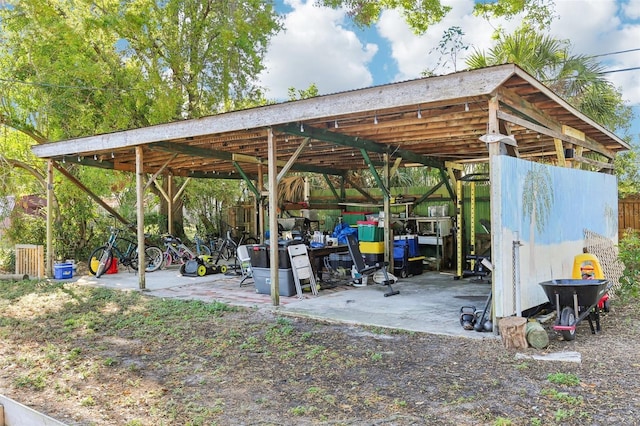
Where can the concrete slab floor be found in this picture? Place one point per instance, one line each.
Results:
(428, 303)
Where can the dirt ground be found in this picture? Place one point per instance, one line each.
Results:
(89, 356)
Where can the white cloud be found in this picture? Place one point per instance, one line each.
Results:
(316, 48)
(416, 54)
(599, 29)
(588, 25)
(631, 9)
(592, 27)
(628, 81)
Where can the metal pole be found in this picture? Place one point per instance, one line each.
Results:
(516, 275)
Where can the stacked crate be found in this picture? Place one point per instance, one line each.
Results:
(371, 241)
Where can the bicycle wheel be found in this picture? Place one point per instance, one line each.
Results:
(230, 249)
(104, 256)
(94, 259)
(222, 251)
(168, 259)
(203, 249)
(153, 257)
(249, 241)
(133, 261)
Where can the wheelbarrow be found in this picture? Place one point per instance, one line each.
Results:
(575, 300)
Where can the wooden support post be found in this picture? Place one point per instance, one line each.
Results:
(170, 191)
(140, 209)
(388, 237)
(513, 332)
(273, 217)
(260, 204)
(459, 228)
(49, 259)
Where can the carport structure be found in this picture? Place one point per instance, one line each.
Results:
(442, 122)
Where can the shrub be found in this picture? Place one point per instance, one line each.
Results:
(7, 260)
(629, 255)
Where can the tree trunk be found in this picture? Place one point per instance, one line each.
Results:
(178, 216)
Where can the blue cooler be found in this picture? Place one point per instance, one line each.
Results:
(63, 271)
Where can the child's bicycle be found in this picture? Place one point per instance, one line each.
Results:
(176, 253)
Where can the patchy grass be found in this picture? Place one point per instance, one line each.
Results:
(103, 357)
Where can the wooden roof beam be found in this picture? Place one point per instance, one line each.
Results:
(358, 143)
(541, 121)
(227, 156)
(587, 143)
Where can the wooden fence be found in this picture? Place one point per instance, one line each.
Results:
(628, 215)
(30, 260)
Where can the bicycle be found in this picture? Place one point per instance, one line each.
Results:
(176, 252)
(204, 247)
(127, 257)
(226, 248)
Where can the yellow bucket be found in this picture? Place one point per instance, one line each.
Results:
(94, 264)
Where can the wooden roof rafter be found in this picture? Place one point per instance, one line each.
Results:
(428, 121)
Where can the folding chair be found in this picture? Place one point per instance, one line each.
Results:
(243, 258)
(362, 269)
(301, 268)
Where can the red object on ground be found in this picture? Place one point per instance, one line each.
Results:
(602, 301)
(113, 268)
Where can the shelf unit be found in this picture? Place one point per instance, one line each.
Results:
(433, 232)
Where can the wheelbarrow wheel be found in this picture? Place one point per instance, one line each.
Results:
(568, 317)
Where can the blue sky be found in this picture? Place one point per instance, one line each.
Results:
(322, 46)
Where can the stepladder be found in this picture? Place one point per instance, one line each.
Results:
(301, 267)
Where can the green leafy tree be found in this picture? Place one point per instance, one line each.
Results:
(73, 69)
(421, 14)
(577, 78)
(537, 13)
(626, 168)
(307, 93)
